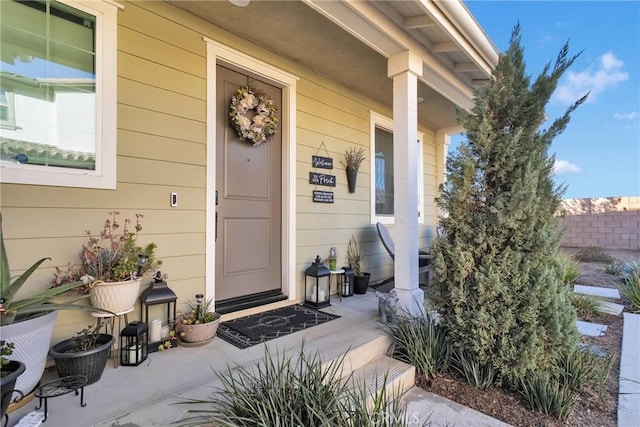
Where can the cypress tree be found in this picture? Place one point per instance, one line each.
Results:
(497, 284)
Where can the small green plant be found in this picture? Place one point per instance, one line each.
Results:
(586, 305)
(6, 349)
(354, 257)
(87, 338)
(603, 376)
(113, 256)
(421, 343)
(294, 390)
(199, 313)
(631, 291)
(593, 254)
(570, 269)
(476, 374)
(547, 395)
(613, 268)
(630, 275)
(168, 343)
(578, 367)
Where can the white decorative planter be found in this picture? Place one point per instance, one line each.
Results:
(32, 339)
(115, 296)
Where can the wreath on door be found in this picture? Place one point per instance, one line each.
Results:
(253, 115)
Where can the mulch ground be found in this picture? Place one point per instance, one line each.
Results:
(596, 405)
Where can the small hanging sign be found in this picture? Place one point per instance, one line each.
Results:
(323, 196)
(322, 162)
(322, 179)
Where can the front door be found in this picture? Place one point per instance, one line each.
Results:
(248, 203)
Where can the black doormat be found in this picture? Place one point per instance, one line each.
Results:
(258, 328)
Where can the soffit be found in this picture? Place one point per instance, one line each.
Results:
(341, 40)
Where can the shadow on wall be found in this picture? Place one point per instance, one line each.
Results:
(608, 222)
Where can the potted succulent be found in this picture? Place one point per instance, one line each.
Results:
(199, 324)
(28, 322)
(85, 354)
(353, 158)
(112, 264)
(354, 259)
(10, 370)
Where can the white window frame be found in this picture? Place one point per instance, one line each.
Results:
(379, 121)
(10, 122)
(104, 175)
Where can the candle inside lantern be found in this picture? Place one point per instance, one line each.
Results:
(135, 351)
(155, 333)
(165, 332)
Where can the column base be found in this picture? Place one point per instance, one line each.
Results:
(410, 301)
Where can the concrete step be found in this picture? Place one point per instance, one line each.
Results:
(597, 291)
(424, 408)
(612, 308)
(629, 386)
(399, 377)
(359, 355)
(591, 329)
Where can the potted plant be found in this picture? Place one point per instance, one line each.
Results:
(10, 370)
(112, 265)
(354, 259)
(353, 158)
(85, 354)
(28, 322)
(199, 324)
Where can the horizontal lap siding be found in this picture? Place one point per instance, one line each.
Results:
(161, 106)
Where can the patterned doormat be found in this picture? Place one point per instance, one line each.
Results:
(258, 328)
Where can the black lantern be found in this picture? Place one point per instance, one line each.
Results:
(316, 293)
(158, 293)
(134, 342)
(347, 282)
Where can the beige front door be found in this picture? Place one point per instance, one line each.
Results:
(249, 201)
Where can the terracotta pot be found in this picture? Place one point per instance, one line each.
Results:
(196, 333)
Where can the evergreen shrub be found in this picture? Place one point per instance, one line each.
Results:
(498, 286)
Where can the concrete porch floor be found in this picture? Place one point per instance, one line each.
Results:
(146, 395)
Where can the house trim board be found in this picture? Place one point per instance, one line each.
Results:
(220, 54)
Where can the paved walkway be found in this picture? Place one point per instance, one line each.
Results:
(150, 394)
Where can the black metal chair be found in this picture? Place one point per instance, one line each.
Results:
(424, 258)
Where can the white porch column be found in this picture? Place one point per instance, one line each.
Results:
(404, 68)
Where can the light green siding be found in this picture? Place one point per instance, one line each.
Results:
(162, 148)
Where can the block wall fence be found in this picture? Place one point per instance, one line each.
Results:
(608, 222)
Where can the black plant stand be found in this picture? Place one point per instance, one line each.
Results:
(60, 387)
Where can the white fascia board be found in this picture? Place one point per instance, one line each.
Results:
(481, 47)
(356, 25)
(367, 23)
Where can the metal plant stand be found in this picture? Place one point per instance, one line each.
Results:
(60, 387)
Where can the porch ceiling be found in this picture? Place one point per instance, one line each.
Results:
(349, 42)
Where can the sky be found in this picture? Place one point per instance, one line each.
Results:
(598, 155)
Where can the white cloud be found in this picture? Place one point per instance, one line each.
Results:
(607, 75)
(563, 166)
(626, 116)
